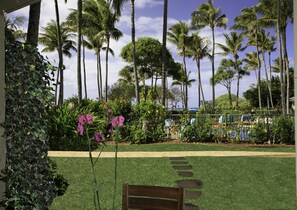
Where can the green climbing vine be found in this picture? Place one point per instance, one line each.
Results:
(31, 181)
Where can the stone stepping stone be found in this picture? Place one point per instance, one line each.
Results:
(185, 167)
(185, 173)
(189, 183)
(179, 162)
(177, 158)
(192, 194)
(189, 206)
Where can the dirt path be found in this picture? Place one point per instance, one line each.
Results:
(173, 154)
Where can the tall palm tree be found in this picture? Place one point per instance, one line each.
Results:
(12, 28)
(281, 11)
(108, 31)
(233, 46)
(198, 49)
(79, 28)
(208, 15)
(49, 38)
(117, 5)
(178, 34)
(60, 54)
(251, 61)
(91, 28)
(264, 43)
(249, 22)
(33, 24)
(164, 50)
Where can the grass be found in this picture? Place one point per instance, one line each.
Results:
(202, 147)
(228, 182)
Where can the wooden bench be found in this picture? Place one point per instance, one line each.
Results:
(145, 197)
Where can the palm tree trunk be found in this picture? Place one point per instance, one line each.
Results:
(270, 66)
(183, 95)
(79, 23)
(164, 58)
(237, 86)
(134, 52)
(267, 79)
(200, 89)
(185, 83)
(286, 65)
(259, 70)
(33, 26)
(57, 86)
(84, 67)
(61, 68)
(99, 77)
(106, 67)
(283, 101)
(213, 71)
(229, 95)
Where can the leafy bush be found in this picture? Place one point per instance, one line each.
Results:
(62, 132)
(29, 173)
(197, 129)
(63, 121)
(283, 130)
(147, 123)
(260, 133)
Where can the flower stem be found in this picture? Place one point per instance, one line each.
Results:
(115, 168)
(96, 189)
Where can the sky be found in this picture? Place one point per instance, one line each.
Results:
(149, 22)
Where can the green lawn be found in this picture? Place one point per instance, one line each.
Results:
(228, 182)
(202, 147)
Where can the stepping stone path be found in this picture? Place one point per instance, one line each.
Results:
(191, 185)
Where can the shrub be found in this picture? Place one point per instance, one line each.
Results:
(198, 129)
(283, 130)
(260, 133)
(62, 132)
(63, 121)
(147, 123)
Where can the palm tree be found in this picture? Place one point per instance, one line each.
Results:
(109, 31)
(178, 35)
(249, 22)
(49, 38)
(251, 61)
(103, 9)
(12, 31)
(91, 28)
(164, 50)
(117, 5)
(234, 46)
(198, 49)
(280, 12)
(79, 28)
(264, 43)
(33, 25)
(60, 53)
(208, 15)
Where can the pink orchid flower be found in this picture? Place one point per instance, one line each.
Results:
(82, 119)
(117, 121)
(80, 129)
(89, 119)
(98, 137)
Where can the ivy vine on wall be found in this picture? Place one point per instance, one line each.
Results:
(29, 174)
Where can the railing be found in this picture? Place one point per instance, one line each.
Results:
(225, 127)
